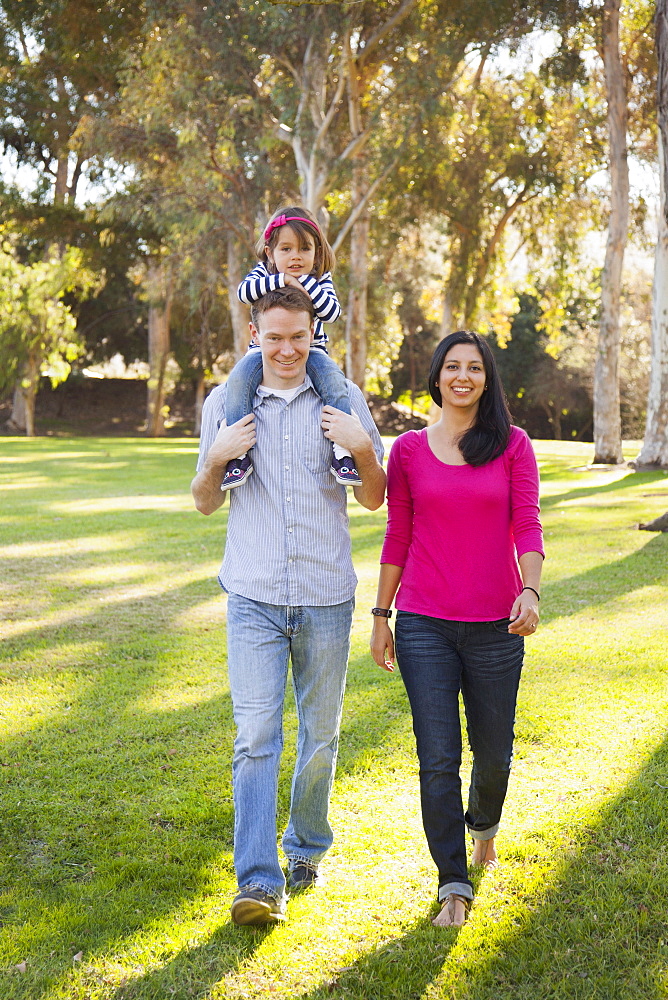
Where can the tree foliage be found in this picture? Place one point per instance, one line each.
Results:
(437, 152)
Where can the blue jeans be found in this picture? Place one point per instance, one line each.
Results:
(328, 381)
(260, 640)
(438, 659)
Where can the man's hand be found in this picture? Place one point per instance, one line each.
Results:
(230, 442)
(346, 430)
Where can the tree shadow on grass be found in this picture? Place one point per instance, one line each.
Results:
(120, 811)
(582, 492)
(646, 567)
(597, 931)
(195, 971)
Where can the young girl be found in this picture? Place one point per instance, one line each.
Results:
(292, 251)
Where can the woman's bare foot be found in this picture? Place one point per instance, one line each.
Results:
(453, 911)
(484, 853)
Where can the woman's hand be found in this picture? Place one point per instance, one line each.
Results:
(382, 644)
(524, 616)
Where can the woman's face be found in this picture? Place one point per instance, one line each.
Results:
(462, 378)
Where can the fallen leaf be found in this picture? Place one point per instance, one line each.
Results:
(21, 967)
(77, 957)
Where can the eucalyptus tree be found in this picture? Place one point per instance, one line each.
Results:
(620, 35)
(185, 126)
(654, 452)
(390, 61)
(37, 327)
(60, 61)
(500, 147)
(607, 417)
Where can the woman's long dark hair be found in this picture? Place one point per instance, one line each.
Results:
(488, 438)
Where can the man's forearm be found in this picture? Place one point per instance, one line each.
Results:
(206, 490)
(372, 491)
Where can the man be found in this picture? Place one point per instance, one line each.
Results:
(288, 572)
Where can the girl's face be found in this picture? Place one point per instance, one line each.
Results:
(292, 254)
(462, 377)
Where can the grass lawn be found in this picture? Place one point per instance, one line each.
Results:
(116, 737)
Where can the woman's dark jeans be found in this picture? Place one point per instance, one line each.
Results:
(438, 659)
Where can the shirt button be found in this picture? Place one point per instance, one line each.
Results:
(287, 468)
(290, 530)
(287, 437)
(288, 499)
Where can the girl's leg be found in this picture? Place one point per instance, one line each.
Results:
(427, 653)
(242, 385)
(328, 379)
(330, 384)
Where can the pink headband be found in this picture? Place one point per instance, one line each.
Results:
(281, 221)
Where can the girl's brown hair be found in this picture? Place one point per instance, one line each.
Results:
(325, 259)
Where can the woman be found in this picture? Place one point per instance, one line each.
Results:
(462, 511)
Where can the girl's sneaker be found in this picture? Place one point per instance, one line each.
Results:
(344, 471)
(236, 473)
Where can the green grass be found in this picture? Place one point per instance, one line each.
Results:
(115, 746)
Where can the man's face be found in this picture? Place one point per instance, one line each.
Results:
(284, 337)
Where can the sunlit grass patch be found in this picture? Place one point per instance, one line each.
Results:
(116, 741)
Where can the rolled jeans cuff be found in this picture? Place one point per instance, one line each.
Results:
(461, 888)
(485, 834)
(301, 859)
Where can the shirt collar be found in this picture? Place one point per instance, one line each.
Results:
(260, 397)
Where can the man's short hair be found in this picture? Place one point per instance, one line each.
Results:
(292, 299)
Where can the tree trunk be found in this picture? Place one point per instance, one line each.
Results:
(607, 418)
(447, 318)
(159, 295)
(25, 392)
(654, 452)
(658, 524)
(356, 343)
(238, 313)
(359, 238)
(200, 392)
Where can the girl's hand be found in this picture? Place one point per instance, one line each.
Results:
(524, 616)
(291, 280)
(382, 644)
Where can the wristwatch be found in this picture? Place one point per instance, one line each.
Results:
(381, 612)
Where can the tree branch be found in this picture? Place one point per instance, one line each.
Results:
(283, 60)
(361, 205)
(375, 40)
(333, 106)
(355, 145)
(24, 44)
(72, 189)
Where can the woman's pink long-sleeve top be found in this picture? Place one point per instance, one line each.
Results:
(458, 530)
